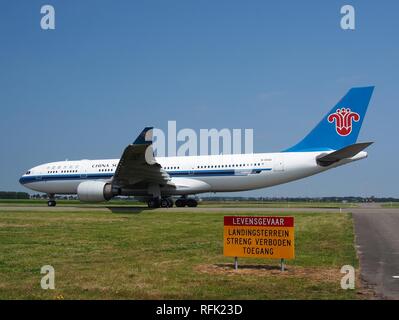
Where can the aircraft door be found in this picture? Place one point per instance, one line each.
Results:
(278, 163)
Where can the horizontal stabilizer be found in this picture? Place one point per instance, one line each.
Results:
(344, 153)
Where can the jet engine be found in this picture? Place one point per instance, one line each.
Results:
(95, 191)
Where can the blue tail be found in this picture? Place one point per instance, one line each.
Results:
(340, 127)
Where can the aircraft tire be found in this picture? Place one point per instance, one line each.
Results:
(180, 203)
(165, 203)
(153, 203)
(51, 203)
(192, 203)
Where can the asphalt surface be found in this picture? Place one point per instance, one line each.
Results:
(377, 242)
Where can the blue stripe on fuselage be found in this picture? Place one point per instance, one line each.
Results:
(182, 173)
(57, 177)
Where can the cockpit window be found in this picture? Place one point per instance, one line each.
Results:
(28, 172)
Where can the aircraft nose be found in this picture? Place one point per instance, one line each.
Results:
(24, 177)
(22, 180)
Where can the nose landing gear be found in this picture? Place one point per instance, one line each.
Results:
(51, 202)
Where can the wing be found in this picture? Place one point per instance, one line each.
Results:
(137, 166)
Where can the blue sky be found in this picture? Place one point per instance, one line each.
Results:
(86, 89)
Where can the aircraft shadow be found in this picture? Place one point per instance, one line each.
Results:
(124, 209)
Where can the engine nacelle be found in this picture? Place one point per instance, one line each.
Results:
(94, 191)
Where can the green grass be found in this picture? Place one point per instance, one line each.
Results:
(164, 254)
(391, 205)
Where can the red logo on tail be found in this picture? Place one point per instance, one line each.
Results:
(343, 120)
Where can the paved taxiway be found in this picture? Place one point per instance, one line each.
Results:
(377, 242)
(376, 229)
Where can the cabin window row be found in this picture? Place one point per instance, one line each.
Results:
(232, 165)
(223, 166)
(63, 171)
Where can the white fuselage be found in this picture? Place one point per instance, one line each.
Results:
(190, 175)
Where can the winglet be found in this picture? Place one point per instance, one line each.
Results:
(145, 137)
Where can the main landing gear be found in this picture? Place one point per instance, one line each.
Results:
(168, 203)
(182, 202)
(163, 203)
(51, 202)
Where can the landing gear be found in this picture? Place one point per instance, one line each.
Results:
(153, 203)
(166, 203)
(163, 203)
(182, 202)
(192, 203)
(51, 200)
(51, 203)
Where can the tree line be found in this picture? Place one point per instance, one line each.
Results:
(14, 195)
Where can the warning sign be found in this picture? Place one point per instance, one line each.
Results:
(259, 237)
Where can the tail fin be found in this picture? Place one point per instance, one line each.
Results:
(340, 127)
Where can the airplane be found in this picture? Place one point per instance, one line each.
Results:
(330, 144)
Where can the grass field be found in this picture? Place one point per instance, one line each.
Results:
(391, 205)
(165, 255)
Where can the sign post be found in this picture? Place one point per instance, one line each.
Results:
(282, 264)
(259, 237)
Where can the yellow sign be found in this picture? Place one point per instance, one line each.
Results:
(259, 237)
